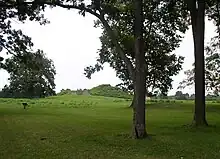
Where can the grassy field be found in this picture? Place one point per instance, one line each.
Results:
(84, 127)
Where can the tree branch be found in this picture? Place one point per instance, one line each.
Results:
(51, 3)
(83, 8)
(118, 47)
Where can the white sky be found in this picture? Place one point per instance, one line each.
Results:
(71, 41)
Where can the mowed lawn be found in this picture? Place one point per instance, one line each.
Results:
(87, 127)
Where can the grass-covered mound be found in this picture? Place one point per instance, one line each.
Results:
(107, 90)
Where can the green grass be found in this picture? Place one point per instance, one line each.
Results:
(107, 90)
(82, 127)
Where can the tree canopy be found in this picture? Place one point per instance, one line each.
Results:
(29, 80)
(160, 38)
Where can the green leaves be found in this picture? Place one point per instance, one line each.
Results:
(31, 75)
(13, 41)
(161, 38)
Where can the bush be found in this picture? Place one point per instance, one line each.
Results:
(65, 92)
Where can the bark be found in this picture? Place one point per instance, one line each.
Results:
(133, 101)
(198, 28)
(139, 125)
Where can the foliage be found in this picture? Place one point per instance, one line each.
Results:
(74, 92)
(13, 41)
(212, 69)
(180, 96)
(107, 90)
(79, 92)
(32, 79)
(65, 92)
(161, 27)
(160, 38)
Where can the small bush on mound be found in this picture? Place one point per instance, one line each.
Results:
(107, 90)
(65, 92)
(167, 101)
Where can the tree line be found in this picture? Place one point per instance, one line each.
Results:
(137, 40)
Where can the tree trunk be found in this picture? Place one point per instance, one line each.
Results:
(139, 125)
(198, 27)
(133, 101)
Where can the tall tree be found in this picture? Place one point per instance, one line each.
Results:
(198, 10)
(212, 69)
(197, 13)
(139, 125)
(34, 78)
(160, 38)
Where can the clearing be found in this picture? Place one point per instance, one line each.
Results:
(82, 127)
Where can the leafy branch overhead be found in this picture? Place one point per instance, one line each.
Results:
(13, 41)
(100, 9)
(107, 11)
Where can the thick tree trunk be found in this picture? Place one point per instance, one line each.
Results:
(139, 125)
(133, 101)
(198, 27)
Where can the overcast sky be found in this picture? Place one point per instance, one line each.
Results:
(71, 41)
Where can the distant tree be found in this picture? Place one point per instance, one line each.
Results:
(179, 93)
(79, 91)
(192, 96)
(13, 41)
(65, 91)
(187, 95)
(32, 79)
(181, 96)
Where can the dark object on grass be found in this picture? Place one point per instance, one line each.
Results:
(43, 138)
(1, 59)
(25, 105)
